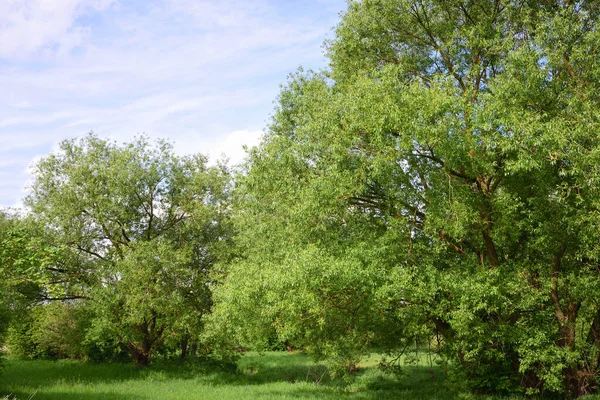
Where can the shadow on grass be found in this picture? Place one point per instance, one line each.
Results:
(253, 370)
(40, 373)
(372, 384)
(417, 382)
(70, 396)
(307, 379)
(277, 367)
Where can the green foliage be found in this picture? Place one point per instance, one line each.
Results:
(34, 266)
(53, 331)
(25, 266)
(141, 228)
(5, 317)
(19, 336)
(440, 180)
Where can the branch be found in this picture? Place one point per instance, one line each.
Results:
(490, 247)
(433, 42)
(554, 284)
(90, 252)
(384, 204)
(494, 184)
(151, 214)
(54, 269)
(568, 65)
(64, 298)
(442, 163)
(466, 13)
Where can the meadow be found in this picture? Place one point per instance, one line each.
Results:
(272, 375)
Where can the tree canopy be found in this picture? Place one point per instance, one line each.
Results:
(143, 226)
(439, 180)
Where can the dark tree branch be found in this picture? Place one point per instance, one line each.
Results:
(442, 163)
(554, 284)
(90, 252)
(44, 297)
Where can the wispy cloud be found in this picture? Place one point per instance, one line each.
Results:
(33, 25)
(195, 72)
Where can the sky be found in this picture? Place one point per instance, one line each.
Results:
(201, 73)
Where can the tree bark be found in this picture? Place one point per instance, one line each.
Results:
(140, 353)
(183, 345)
(151, 337)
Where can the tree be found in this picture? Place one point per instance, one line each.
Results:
(145, 223)
(441, 178)
(27, 269)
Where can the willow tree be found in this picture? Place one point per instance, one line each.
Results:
(440, 178)
(146, 224)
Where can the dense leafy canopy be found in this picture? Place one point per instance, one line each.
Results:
(440, 180)
(145, 227)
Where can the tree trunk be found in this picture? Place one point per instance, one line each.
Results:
(577, 378)
(151, 337)
(183, 345)
(288, 347)
(140, 354)
(571, 382)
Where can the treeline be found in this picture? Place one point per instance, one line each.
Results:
(439, 183)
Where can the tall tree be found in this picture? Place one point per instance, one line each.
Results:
(441, 177)
(146, 223)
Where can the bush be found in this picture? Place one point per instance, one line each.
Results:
(4, 321)
(50, 331)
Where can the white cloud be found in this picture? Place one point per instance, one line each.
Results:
(229, 146)
(232, 145)
(224, 14)
(28, 26)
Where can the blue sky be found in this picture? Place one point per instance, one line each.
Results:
(202, 73)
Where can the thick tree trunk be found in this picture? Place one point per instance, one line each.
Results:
(142, 360)
(183, 345)
(140, 355)
(578, 379)
(570, 374)
(581, 381)
(288, 347)
(530, 380)
(151, 337)
(572, 382)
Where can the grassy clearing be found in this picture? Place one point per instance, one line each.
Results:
(267, 376)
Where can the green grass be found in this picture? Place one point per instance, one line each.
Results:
(271, 375)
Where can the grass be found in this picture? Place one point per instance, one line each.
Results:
(273, 375)
(267, 376)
